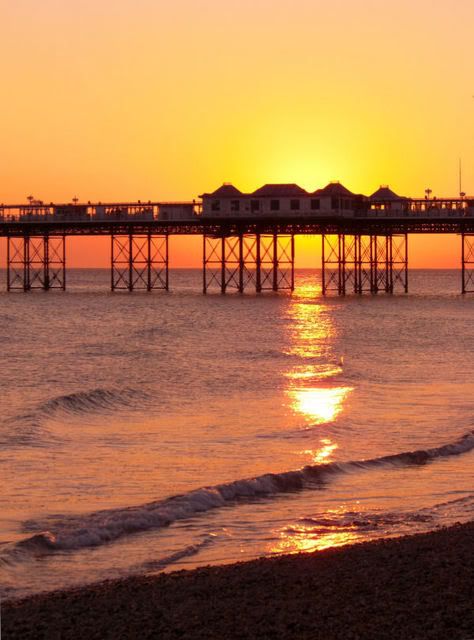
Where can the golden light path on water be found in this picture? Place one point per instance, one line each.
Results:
(312, 335)
(320, 405)
(307, 537)
(314, 393)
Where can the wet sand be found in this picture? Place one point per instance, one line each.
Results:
(416, 587)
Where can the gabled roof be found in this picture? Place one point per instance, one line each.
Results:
(280, 191)
(384, 193)
(227, 190)
(333, 189)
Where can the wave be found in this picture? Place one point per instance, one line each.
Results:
(28, 429)
(379, 522)
(160, 563)
(358, 520)
(101, 527)
(93, 401)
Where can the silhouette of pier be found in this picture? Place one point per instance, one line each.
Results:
(364, 245)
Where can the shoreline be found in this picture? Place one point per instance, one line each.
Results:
(415, 587)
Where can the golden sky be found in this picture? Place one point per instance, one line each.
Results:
(147, 99)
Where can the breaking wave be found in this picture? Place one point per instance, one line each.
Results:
(105, 526)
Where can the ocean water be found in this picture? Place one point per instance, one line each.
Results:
(152, 432)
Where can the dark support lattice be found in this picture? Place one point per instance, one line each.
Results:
(364, 269)
(260, 261)
(139, 262)
(467, 262)
(399, 262)
(331, 261)
(364, 263)
(36, 262)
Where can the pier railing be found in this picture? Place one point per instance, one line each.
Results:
(189, 211)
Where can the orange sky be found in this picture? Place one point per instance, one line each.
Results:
(147, 99)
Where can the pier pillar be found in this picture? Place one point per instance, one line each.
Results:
(250, 264)
(139, 262)
(260, 261)
(332, 259)
(383, 275)
(467, 262)
(36, 262)
(340, 260)
(379, 268)
(398, 262)
(212, 260)
(364, 263)
(231, 253)
(351, 264)
(276, 262)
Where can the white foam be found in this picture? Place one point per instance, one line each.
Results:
(105, 526)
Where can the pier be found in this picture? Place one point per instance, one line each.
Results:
(246, 247)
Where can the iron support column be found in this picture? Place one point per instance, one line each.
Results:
(467, 262)
(36, 262)
(258, 266)
(241, 263)
(292, 286)
(139, 262)
(167, 263)
(130, 262)
(204, 262)
(323, 264)
(388, 264)
(333, 263)
(399, 261)
(275, 262)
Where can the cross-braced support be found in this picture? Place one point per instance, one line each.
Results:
(398, 254)
(265, 262)
(359, 264)
(36, 262)
(277, 260)
(467, 262)
(332, 264)
(340, 265)
(374, 263)
(382, 265)
(139, 262)
(213, 263)
(364, 264)
(351, 275)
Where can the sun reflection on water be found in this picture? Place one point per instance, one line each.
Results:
(315, 392)
(306, 539)
(319, 404)
(324, 453)
(328, 529)
(311, 341)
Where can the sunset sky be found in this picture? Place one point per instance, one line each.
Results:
(146, 99)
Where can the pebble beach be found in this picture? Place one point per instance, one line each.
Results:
(408, 588)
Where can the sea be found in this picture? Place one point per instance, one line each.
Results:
(147, 432)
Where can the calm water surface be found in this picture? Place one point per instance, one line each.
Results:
(151, 432)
